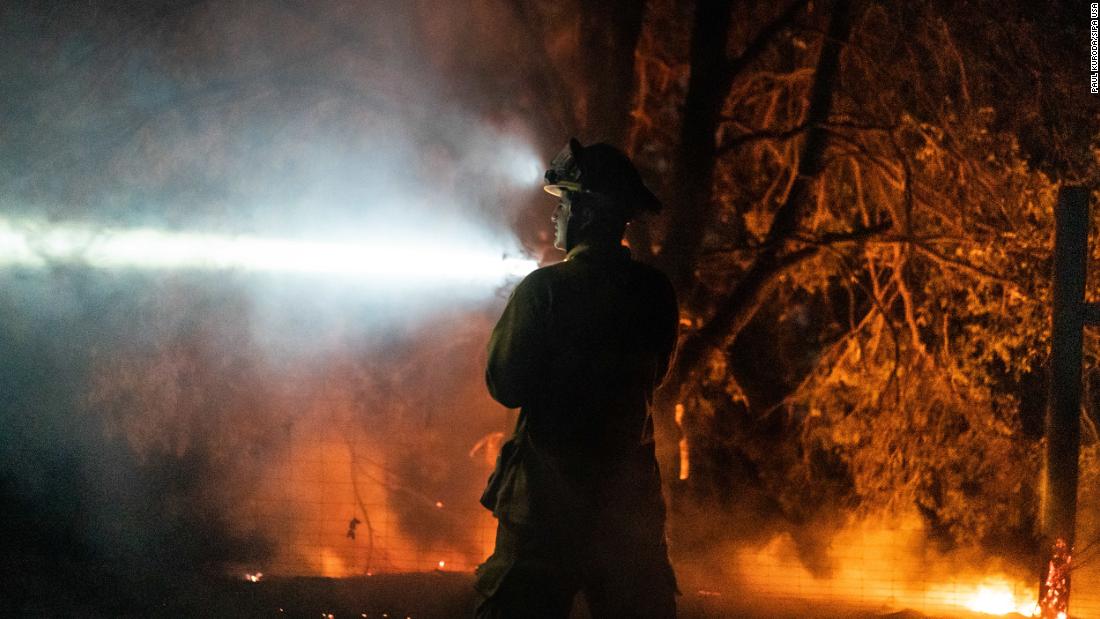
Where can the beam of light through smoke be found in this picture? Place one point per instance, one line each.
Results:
(394, 258)
(522, 167)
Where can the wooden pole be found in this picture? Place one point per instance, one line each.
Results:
(1063, 423)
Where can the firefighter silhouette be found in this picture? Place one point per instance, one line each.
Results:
(579, 349)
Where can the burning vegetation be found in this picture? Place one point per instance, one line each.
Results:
(860, 206)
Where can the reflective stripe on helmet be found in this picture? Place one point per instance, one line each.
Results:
(560, 186)
(564, 171)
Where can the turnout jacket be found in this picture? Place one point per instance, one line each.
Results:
(580, 348)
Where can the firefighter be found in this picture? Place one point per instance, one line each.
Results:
(579, 349)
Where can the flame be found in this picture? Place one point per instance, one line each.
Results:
(1000, 598)
(254, 577)
(685, 448)
(332, 565)
(888, 565)
(1055, 600)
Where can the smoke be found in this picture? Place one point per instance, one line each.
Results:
(208, 419)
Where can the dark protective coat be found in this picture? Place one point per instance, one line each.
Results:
(580, 348)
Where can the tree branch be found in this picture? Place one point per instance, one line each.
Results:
(762, 277)
(712, 75)
(765, 134)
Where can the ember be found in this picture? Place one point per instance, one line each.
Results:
(685, 448)
(1054, 604)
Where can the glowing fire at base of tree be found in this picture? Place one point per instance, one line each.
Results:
(885, 565)
(1054, 602)
(997, 599)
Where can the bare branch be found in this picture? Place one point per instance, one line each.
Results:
(974, 270)
(762, 277)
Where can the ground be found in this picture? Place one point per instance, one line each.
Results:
(440, 595)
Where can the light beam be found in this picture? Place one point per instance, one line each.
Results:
(393, 258)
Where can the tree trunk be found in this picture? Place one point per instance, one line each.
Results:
(692, 204)
(712, 74)
(609, 36)
(762, 276)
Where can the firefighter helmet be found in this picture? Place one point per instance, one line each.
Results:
(600, 169)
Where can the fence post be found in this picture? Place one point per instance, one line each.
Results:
(1063, 423)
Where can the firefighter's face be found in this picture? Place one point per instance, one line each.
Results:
(561, 220)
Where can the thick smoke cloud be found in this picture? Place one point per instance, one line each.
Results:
(145, 414)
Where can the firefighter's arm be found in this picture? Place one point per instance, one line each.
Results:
(517, 345)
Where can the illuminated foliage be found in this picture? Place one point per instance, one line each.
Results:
(904, 345)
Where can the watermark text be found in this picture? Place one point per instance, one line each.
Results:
(1094, 47)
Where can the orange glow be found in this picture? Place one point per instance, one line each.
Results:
(323, 484)
(489, 447)
(685, 459)
(685, 448)
(999, 597)
(1055, 601)
(332, 565)
(887, 565)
